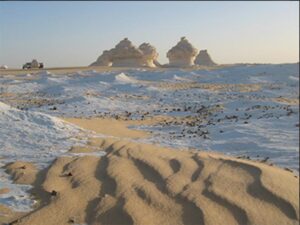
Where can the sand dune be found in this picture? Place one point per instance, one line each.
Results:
(146, 184)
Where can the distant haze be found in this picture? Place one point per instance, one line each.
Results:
(75, 33)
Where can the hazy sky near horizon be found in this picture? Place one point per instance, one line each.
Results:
(76, 33)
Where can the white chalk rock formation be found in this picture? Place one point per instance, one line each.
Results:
(182, 55)
(149, 55)
(4, 67)
(204, 59)
(35, 64)
(103, 60)
(127, 55)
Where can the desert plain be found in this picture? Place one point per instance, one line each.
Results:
(105, 146)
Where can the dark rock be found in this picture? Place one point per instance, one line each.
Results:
(288, 169)
(54, 193)
(71, 220)
(264, 160)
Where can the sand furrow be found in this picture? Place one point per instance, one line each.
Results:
(258, 190)
(108, 184)
(238, 213)
(116, 215)
(175, 165)
(197, 172)
(151, 175)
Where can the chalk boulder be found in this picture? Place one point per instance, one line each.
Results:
(125, 54)
(3, 67)
(204, 59)
(149, 55)
(183, 54)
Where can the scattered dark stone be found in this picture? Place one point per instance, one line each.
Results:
(288, 169)
(14, 222)
(221, 131)
(245, 122)
(264, 160)
(71, 220)
(23, 167)
(53, 193)
(244, 157)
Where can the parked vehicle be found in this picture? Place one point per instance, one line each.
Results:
(27, 66)
(33, 64)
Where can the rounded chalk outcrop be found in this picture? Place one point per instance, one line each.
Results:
(3, 67)
(149, 55)
(125, 54)
(183, 54)
(204, 59)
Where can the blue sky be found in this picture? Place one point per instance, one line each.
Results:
(76, 33)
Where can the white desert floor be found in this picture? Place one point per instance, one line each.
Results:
(248, 110)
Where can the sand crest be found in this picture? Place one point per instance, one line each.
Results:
(146, 184)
